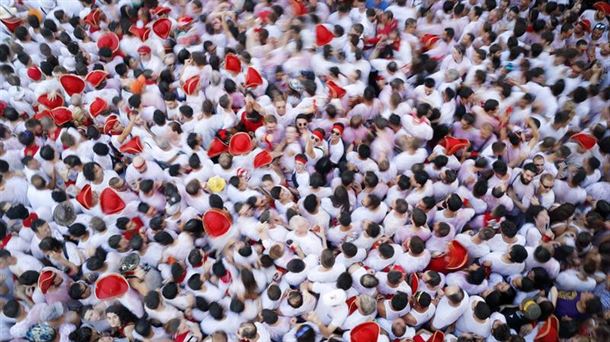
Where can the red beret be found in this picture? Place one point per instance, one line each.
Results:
(111, 202)
(602, 6)
(216, 148)
(335, 91)
(109, 40)
(44, 100)
(191, 85)
(140, 32)
(452, 145)
(72, 84)
(318, 133)
(263, 158)
(144, 49)
(216, 222)
(96, 77)
(97, 106)
(253, 78)
(240, 143)
(34, 73)
(85, 197)
(232, 63)
(45, 280)
(11, 23)
(162, 27)
(586, 141)
(111, 286)
(61, 115)
(323, 35)
(133, 146)
(365, 332)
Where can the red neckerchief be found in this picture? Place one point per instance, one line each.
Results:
(226, 278)
(351, 304)
(181, 337)
(31, 150)
(6, 240)
(487, 217)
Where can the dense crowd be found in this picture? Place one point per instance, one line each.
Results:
(292, 170)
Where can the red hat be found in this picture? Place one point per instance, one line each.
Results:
(27, 222)
(190, 86)
(61, 115)
(85, 197)
(300, 158)
(428, 40)
(34, 73)
(72, 84)
(586, 25)
(323, 35)
(253, 78)
(334, 90)
(339, 128)
(263, 158)
(133, 146)
(453, 260)
(144, 49)
(586, 141)
(365, 332)
(414, 282)
(184, 20)
(42, 114)
(452, 145)
(232, 63)
(97, 106)
(160, 10)
(299, 7)
(216, 222)
(96, 77)
(11, 23)
(111, 286)
(58, 101)
(109, 40)
(140, 32)
(318, 134)
(93, 18)
(111, 202)
(162, 27)
(45, 280)
(216, 148)
(240, 143)
(111, 120)
(602, 6)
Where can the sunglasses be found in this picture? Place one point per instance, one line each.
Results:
(547, 187)
(302, 124)
(335, 133)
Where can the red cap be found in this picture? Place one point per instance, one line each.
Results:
(428, 40)
(97, 106)
(11, 23)
(160, 10)
(133, 146)
(45, 280)
(111, 202)
(549, 331)
(27, 222)
(111, 120)
(240, 143)
(452, 145)
(334, 90)
(318, 134)
(216, 148)
(93, 18)
(184, 20)
(58, 101)
(140, 32)
(162, 27)
(323, 35)
(109, 40)
(85, 196)
(263, 158)
(191, 85)
(216, 222)
(232, 63)
(602, 6)
(586, 141)
(144, 49)
(365, 332)
(253, 78)
(72, 84)
(300, 158)
(586, 25)
(339, 128)
(111, 286)
(61, 115)
(96, 77)
(34, 73)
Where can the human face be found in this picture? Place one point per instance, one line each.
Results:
(291, 134)
(539, 163)
(280, 107)
(113, 320)
(301, 125)
(270, 126)
(92, 315)
(457, 55)
(546, 185)
(543, 218)
(527, 177)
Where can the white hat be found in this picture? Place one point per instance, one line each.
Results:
(334, 297)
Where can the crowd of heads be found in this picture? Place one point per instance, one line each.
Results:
(291, 170)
